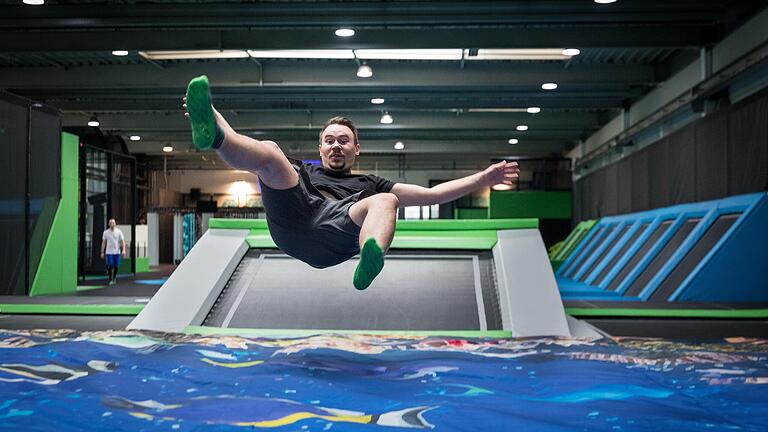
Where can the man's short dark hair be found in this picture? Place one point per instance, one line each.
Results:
(340, 121)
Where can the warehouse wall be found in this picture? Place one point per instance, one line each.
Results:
(723, 154)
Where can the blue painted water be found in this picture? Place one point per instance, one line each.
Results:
(61, 380)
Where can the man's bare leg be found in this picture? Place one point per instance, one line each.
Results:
(376, 216)
(261, 157)
(211, 131)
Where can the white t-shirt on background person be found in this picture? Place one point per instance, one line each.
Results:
(113, 239)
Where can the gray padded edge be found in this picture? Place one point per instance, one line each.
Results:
(188, 294)
(479, 294)
(584, 330)
(528, 294)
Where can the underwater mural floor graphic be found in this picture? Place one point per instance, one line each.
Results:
(118, 380)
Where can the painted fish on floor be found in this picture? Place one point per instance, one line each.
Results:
(51, 373)
(261, 412)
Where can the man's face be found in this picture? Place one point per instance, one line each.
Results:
(338, 150)
(112, 223)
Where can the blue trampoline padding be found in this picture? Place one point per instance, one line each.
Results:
(730, 271)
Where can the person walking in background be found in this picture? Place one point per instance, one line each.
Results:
(112, 248)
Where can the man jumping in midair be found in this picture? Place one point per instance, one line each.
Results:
(325, 215)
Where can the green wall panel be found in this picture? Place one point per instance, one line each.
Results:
(142, 265)
(57, 270)
(530, 204)
(470, 213)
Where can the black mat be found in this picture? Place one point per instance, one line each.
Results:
(415, 292)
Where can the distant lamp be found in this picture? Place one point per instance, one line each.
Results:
(502, 187)
(345, 32)
(364, 71)
(93, 122)
(386, 118)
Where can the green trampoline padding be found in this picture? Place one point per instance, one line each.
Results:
(467, 240)
(403, 225)
(71, 309)
(667, 313)
(467, 234)
(204, 330)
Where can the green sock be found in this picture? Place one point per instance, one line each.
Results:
(205, 133)
(370, 265)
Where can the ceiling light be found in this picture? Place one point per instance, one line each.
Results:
(517, 54)
(34, 2)
(455, 54)
(502, 187)
(570, 52)
(345, 32)
(399, 145)
(513, 141)
(188, 55)
(534, 110)
(377, 101)
(167, 148)
(364, 71)
(605, 1)
(386, 118)
(135, 138)
(549, 86)
(93, 122)
(522, 128)
(496, 110)
(120, 53)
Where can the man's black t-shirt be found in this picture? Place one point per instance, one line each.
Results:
(343, 185)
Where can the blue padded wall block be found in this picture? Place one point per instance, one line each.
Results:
(736, 270)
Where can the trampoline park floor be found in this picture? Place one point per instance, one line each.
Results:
(95, 306)
(320, 381)
(142, 284)
(120, 380)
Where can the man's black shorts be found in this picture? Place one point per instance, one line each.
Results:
(308, 226)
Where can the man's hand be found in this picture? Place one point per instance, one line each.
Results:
(102, 255)
(502, 172)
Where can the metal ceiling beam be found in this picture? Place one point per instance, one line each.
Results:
(581, 101)
(444, 148)
(582, 36)
(297, 120)
(361, 13)
(238, 78)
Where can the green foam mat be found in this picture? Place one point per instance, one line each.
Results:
(402, 225)
(71, 309)
(204, 330)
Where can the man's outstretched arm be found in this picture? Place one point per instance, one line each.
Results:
(412, 195)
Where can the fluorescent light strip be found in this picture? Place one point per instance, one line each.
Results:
(366, 54)
(497, 110)
(191, 55)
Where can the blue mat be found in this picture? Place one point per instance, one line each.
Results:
(151, 281)
(62, 380)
